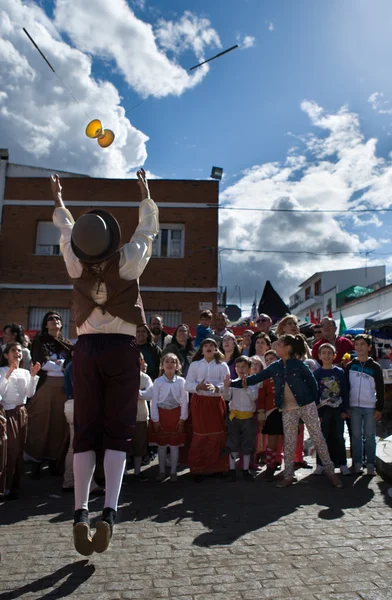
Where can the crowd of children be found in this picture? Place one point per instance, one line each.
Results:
(228, 411)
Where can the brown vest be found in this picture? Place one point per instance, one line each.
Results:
(123, 296)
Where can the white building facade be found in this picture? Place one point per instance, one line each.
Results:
(324, 291)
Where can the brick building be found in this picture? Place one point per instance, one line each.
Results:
(180, 278)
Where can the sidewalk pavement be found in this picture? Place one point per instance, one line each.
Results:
(205, 541)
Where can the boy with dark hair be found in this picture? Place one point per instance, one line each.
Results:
(203, 330)
(332, 407)
(241, 425)
(366, 385)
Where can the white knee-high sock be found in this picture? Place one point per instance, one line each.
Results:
(83, 466)
(232, 458)
(137, 463)
(246, 462)
(162, 458)
(114, 465)
(174, 454)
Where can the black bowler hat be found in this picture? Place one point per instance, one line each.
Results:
(95, 236)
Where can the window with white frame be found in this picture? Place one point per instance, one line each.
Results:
(170, 241)
(47, 239)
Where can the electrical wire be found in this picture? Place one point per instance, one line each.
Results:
(300, 210)
(259, 251)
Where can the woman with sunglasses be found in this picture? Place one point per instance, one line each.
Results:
(48, 429)
(263, 324)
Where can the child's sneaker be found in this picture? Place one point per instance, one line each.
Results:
(370, 470)
(358, 469)
(160, 477)
(344, 470)
(319, 470)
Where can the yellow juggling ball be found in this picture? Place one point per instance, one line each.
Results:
(105, 137)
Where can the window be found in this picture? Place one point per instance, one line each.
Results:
(317, 288)
(307, 293)
(36, 314)
(171, 318)
(47, 239)
(170, 242)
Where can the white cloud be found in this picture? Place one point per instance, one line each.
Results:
(137, 52)
(271, 26)
(379, 105)
(248, 41)
(39, 120)
(190, 32)
(338, 169)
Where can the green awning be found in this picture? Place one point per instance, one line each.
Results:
(353, 292)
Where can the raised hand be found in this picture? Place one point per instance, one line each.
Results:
(35, 369)
(227, 380)
(56, 190)
(14, 365)
(143, 183)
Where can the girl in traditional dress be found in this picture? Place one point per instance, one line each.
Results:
(169, 411)
(16, 385)
(208, 410)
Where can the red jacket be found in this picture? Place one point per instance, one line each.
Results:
(342, 345)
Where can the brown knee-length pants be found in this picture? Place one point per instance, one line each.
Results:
(106, 380)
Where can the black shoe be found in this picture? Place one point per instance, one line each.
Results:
(13, 495)
(81, 533)
(140, 477)
(232, 476)
(247, 475)
(104, 530)
(35, 471)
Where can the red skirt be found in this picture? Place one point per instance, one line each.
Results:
(208, 435)
(168, 435)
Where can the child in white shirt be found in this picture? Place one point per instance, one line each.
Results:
(241, 427)
(139, 441)
(16, 385)
(169, 411)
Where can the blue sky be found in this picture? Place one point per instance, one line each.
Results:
(289, 118)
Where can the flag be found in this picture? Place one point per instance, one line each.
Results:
(342, 324)
(330, 315)
(253, 313)
(313, 319)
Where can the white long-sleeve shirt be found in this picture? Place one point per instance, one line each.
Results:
(241, 399)
(134, 257)
(52, 368)
(145, 393)
(169, 389)
(15, 390)
(211, 372)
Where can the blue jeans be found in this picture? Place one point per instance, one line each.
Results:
(362, 422)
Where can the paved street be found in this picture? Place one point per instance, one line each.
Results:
(208, 541)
